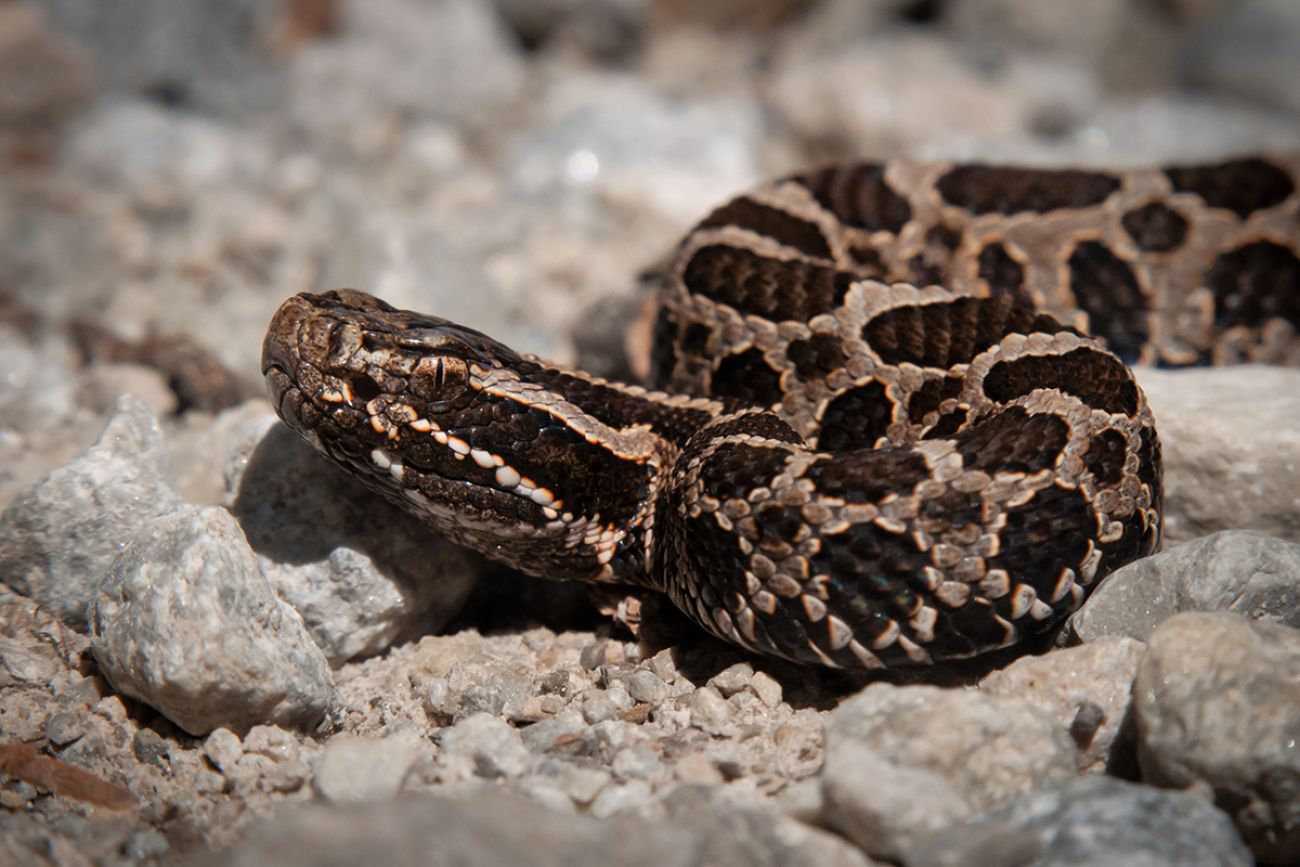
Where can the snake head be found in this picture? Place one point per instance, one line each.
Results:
(452, 425)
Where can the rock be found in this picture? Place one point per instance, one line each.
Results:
(484, 829)
(491, 743)
(1249, 573)
(1229, 437)
(608, 30)
(885, 96)
(1216, 703)
(1135, 46)
(202, 446)
(212, 57)
(710, 712)
(457, 65)
(736, 831)
(58, 538)
(366, 769)
(732, 679)
(884, 807)
(1087, 689)
(988, 747)
(42, 425)
(223, 749)
(1249, 50)
(362, 573)
(619, 143)
(481, 683)
(185, 622)
(1093, 821)
(43, 77)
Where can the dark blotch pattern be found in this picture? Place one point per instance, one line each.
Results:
(1105, 288)
(1096, 378)
(663, 358)
(1241, 186)
(1254, 284)
(967, 630)
(1105, 456)
(765, 287)
(749, 377)
(695, 339)
(817, 357)
(950, 332)
(927, 398)
(856, 418)
(775, 224)
(733, 469)
(868, 262)
(984, 189)
(858, 196)
(874, 576)
(1155, 228)
(1004, 275)
(867, 476)
(930, 266)
(1013, 440)
(1044, 536)
(762, 424)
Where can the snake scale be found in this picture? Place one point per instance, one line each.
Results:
(884, 435)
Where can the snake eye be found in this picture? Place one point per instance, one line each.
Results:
(440, 378)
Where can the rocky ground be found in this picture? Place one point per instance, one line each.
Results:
(211, 639)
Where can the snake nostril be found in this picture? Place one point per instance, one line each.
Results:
(364, 388)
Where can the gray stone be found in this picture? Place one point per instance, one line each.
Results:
(1229, 437)
(710, 711)
(58, 538)
(1250, 50)
(1092, 822)
(740, 832)
(732, 679)
(881, 806)
(617, 141)
(1088, 690)
(597, 706)
(223, 749)
(45, 76)
(362, 573)
(1254, 575)
(485, 829)
(64, 728)
(210, 55)
(620, 797)
(988, 748)
(644, 686)
(481, 683)
(185, 622)
(494, 746)
(856, 98)
(608, 30)
(366, 769)
(457, 65)
(1217, 699)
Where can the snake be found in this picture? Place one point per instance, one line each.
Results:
(892, 418)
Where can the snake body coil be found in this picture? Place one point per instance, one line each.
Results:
(844, 468)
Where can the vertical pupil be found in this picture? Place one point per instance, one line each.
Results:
(439, 374)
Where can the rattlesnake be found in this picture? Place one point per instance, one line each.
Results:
(884, 436)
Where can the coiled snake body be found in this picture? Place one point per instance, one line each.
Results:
(844, 468)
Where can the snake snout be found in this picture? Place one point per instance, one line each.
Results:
(280, 346)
